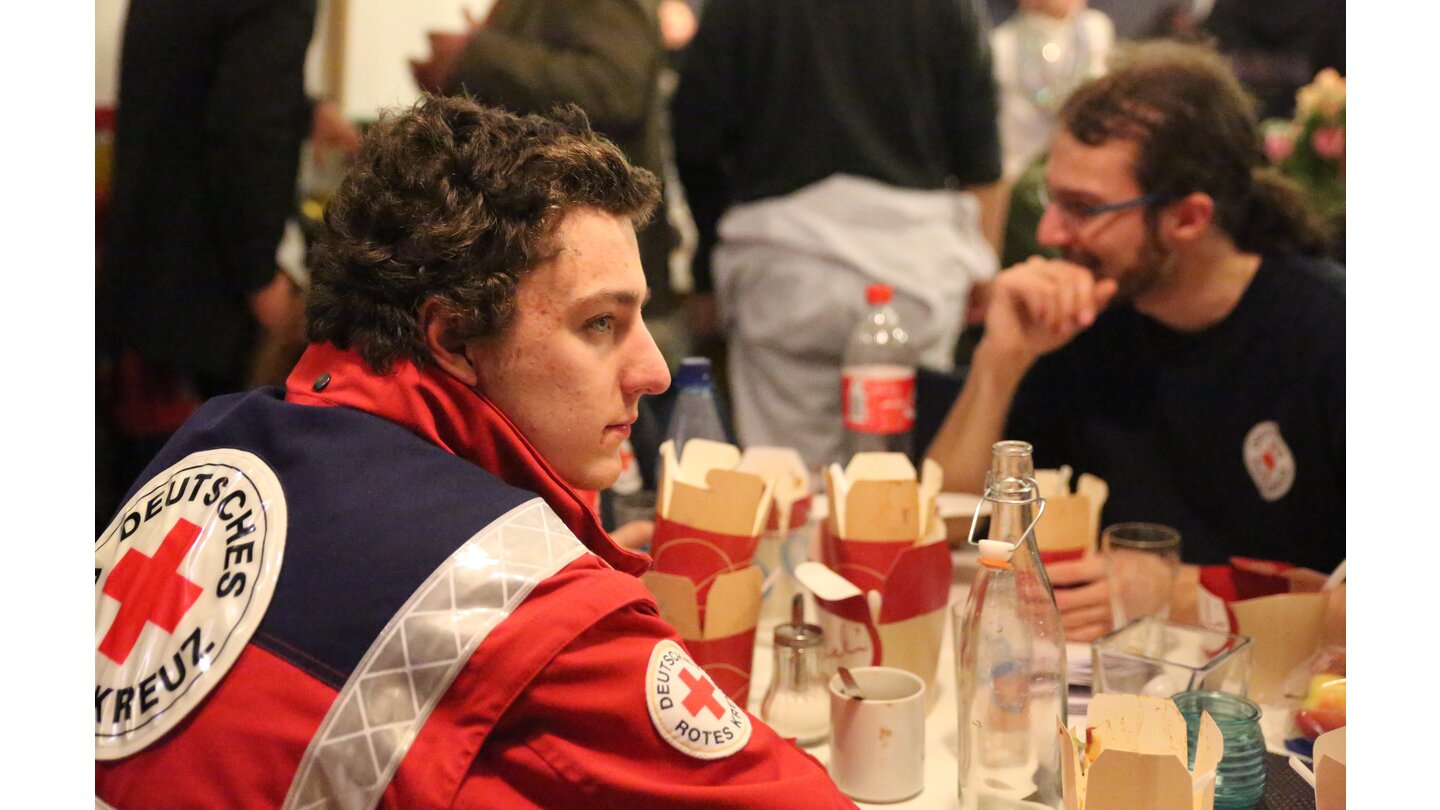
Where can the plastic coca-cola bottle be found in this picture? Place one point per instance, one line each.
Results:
(877, 388)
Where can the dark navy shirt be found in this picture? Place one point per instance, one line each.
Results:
(1164, 418)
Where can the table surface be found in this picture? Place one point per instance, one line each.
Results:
(941, 768)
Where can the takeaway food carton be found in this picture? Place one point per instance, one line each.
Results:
(785, 539)
(1070, 525)
(1330, 770)
(883, 576)
(708, 518)
(1259, 598)
(1134, 754)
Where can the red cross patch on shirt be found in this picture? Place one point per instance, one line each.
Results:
(687, 709)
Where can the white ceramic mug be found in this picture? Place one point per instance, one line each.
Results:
(877, 745)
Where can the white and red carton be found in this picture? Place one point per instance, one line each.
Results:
(785, 539)
(708, 518)
(1070, 525)
(883, 599)
(1256, 598)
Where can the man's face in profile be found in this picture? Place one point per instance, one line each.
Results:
(1117, 244)
(573, 365)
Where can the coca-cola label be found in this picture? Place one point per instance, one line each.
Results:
(878, 399)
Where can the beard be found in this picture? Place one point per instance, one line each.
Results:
(1153, 264)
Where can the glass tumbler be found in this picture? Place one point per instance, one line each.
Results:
(1142, 561)
(1240, 777)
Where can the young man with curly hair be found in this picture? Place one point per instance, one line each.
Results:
(379, 586)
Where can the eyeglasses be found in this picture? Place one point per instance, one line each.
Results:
(1077, 212)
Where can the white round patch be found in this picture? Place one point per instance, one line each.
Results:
(1269, 461)
(183, 576)
(688, 710)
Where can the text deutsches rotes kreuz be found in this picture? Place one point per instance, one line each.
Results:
(183, 576)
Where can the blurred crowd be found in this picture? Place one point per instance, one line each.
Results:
(807, 149)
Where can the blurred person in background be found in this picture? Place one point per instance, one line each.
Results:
(397, 594)
(1043, 51)
(527, 56)
(1276, 47)
(824, 145)
(209, 123)
(1133, 20)
(1186, 347)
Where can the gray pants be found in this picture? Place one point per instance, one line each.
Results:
(791, 275)
(786, 343)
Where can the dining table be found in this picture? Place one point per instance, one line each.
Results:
(1285, 789)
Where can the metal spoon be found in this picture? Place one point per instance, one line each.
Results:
(852, 689)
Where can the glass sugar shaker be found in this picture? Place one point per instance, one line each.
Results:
(797, 704)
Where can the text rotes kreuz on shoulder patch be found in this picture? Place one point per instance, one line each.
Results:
(183, 576)
(688, 710)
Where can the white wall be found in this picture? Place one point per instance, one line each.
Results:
(381, 37)
(109, 23)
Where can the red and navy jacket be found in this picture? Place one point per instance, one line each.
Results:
(413, 506)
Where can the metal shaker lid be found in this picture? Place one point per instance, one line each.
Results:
(797, 633)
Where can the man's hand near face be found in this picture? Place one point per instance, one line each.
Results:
(1034, 308)
(1038, 306)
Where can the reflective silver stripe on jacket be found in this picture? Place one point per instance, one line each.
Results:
(403, 675)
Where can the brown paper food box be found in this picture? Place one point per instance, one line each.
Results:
(708, 520)
(1142, 758)
(1329, 754)
(883, 535)
(1070, 525)
(1285, 629)
(786, 532)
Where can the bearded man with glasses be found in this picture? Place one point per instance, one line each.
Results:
(1185, 347)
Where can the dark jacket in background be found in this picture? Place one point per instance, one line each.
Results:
(603, 55)
(777, 94)
(1277, 46)
(209, 123)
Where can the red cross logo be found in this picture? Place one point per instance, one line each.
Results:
(149, 590)
(701, 697)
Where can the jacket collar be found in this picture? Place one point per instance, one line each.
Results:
(447, 413)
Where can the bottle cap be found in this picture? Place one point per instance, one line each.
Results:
(693, 371)
(877, 294)
(995, 551)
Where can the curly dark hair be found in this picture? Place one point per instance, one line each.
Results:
(454, 201)
(1196, 129)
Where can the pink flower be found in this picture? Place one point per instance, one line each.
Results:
(1329, 142)
(1278, 144)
